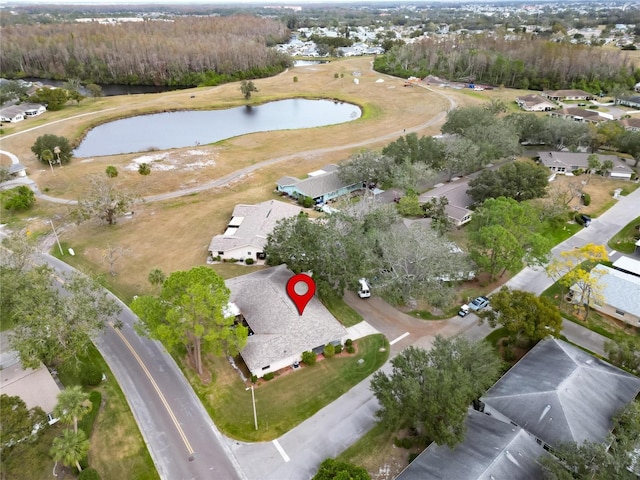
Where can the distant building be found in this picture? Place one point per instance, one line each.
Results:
(322, 185)
(562, 95)
(564, 163)
(535, 103)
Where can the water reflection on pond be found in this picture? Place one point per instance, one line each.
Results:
(189, 128)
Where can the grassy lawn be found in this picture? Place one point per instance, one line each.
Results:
(559, 233)
(343, 312)
(624, 241)
(117, 450)
(288, 399)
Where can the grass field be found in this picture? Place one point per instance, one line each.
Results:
(625, 240)
(288, 399)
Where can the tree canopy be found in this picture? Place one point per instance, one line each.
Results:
(432, 390)
(523, 314)
(505, 234)
(58, 147)
(518, 180)
(331, 469)
(70, 448)
(73, 404)
(18, 421)
(190, 312)
(102, 201)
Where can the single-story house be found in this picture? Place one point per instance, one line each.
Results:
(322, 185)
(535, 103)
(559, 393)
(491, 449)
(33, 109)
(560, 95)
(581, 115)
(633, 102)
(277, 333)
(566, 162)
(555, 393)
(36, 387)
(459, 200)
(628, 265)
(619, 295)
(11, 114)
(632, 124)
(247, 231)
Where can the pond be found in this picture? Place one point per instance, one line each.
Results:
(161, 131)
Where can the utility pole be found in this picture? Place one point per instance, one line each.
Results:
(253, 400)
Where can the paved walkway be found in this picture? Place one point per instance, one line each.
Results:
(360, 330)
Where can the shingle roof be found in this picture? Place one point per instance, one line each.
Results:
(532, 99)
(632, 122)
(321, 184)
(279, 331)
(491, 449)
(619, 289)
(559, 393)
(258, 222)
(566, 93)
(575, 159)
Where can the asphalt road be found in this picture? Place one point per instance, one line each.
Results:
(182, 440)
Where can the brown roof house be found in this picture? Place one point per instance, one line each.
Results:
(535, 103)
(582, 115)
(277, 333)
(459, 200)
(555, 393)
(632, 124)
(561, 95)
(247, 231)
(566, 162)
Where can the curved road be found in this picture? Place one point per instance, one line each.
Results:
(181, 438)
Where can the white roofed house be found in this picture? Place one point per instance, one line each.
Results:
(277, 333)
(246, 233)
(535, 103)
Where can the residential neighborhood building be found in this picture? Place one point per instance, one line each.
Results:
(459, 200)
(632, 124)
(17, 113)
(633, 102)
(322, 185)
(246, 233)
(277, 333)
(582, 115)
(36, 387)
(563, 95)
(565, 163)
(618, 294)
(556, 393)
(535, 103)
(628, 265)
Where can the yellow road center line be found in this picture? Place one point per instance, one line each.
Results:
(157, 389)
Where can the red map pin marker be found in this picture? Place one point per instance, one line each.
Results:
(301, 299)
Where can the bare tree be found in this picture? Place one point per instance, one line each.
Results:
(102, 201)
(112, 254)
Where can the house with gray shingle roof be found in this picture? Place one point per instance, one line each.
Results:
(619, 294)
(582, 115)
(535, 103)
(555, 393)
(278, 334)
(322, 185)
(560, 95)
(559, 393)
(247, 231)
(566, 162)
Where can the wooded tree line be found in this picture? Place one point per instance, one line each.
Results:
(185, 51)
(524, 62)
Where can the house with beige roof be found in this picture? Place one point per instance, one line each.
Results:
(535, 103)
(562, 95)
(247, 230)
(632, 124)
(278, 334)
(582, 115)
(322, 185)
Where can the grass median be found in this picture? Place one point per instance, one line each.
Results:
(288, 399)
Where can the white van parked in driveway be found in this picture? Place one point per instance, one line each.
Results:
(365, 290)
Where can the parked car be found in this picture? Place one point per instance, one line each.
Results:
(479, 303)
(464, 310)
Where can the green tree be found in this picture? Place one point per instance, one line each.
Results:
(4, 174)
(624, 352)
(54, 144)
(144, 169)
(95, 90)
(629, 143)
(409, 206)
(102, 201)
(523, 314)
(72, 405)
(156, 277)
(607, 166)
(111, 171)
(518, 180)
(70, 448)
(54, 98)
(19, 199)
(432, 390)
(461, 155)
(247, 87)
(18, 421)
(366, 167)
(190, 312)
(504, 234)
(48, 157)
(331, 469)
(52, 327)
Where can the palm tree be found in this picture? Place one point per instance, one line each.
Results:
(70, 448)
(47, 156)
(72, 405)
